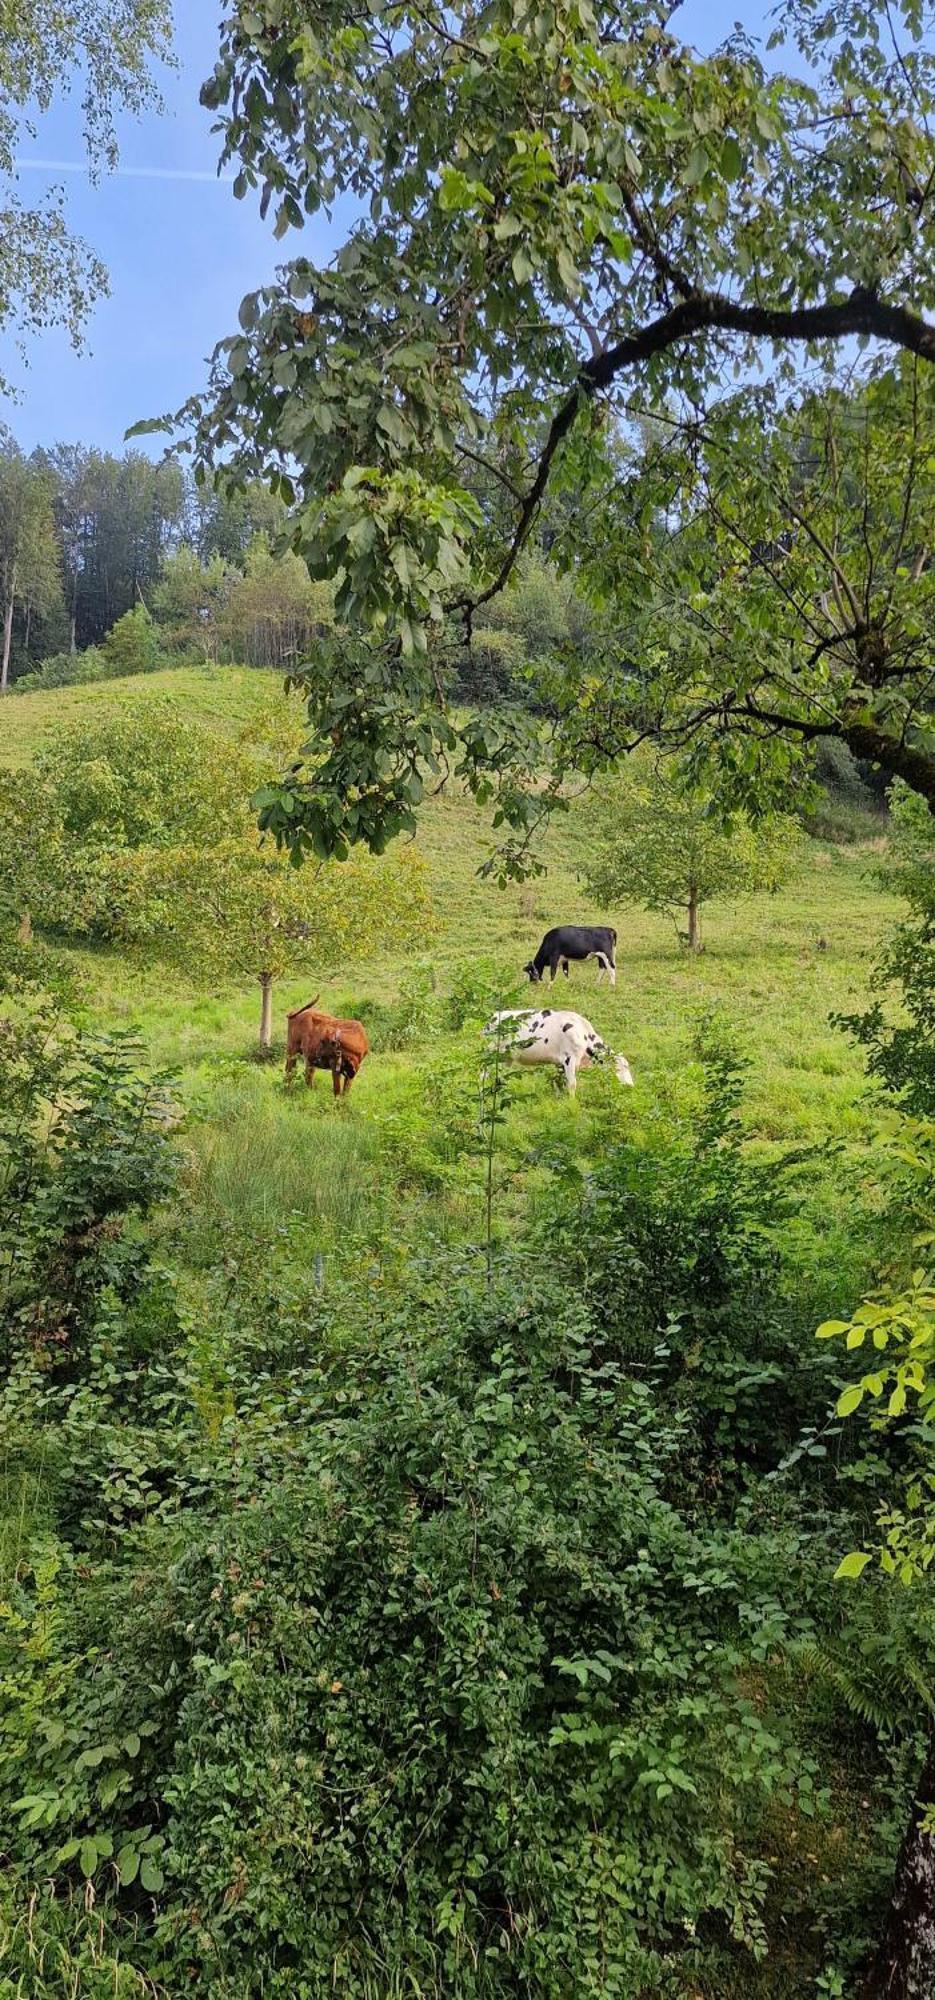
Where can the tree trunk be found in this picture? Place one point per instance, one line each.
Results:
(904, 1968)
(7, 646)
(694, 926)
(266, 1010)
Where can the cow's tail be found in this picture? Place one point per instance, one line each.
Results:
(293, 1011)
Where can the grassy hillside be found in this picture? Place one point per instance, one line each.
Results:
(778, 965)
(229, 697)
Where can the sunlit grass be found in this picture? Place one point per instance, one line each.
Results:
(777, 966)
(260, 1156)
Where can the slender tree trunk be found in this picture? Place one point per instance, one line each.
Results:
(266, 1010)
(694, 926)
(7, 645)
(904, 1968)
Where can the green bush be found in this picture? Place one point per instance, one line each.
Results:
(901, 1051)
(132, 644)
(64, 670)
(675, 1243)
(415, 1676)
(79, 1159)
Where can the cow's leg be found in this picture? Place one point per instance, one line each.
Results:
(565, 967)
(612, 969)
(602, 965)
(290, 1065)
(309, 1073)
(336, 1079)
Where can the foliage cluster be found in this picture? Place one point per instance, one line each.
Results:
(47, 275)
(901, 1051)
(673, 850)
(137, 828)
(395, 1625)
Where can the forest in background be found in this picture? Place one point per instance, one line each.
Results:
(120, 565)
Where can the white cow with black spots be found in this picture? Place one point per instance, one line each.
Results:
(554, 1035)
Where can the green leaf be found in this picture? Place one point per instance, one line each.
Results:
(151, 1875)
(88, 1858)
(849, 1401)
(697, 166)
(128, 1863)
(853, 1565)
(830, 1327)
(731, 159)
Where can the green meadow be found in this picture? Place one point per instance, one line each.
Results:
(777, 967)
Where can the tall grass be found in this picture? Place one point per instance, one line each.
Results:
(260, 1156)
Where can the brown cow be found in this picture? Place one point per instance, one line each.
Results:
(325, 1042)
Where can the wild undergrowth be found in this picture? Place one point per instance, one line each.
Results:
(452, 1617)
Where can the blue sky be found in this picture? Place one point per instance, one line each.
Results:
(180, 253)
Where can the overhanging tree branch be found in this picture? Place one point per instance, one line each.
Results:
(862, 312)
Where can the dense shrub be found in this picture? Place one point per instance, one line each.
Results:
(101, 791)
(427, 1680)
(901, 1051)
(674, 1243)
(82, 1151)
(64, 670)
(132, 644)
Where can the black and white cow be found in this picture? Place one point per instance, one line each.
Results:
(576, 941)
(532, 1035)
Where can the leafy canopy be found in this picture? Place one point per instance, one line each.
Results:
(674, 851)
(236, 909)
(47, 276)
(564, 206)
(765, 579)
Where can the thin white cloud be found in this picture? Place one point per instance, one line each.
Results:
(128, 173)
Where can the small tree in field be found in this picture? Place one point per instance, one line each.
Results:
(673, 852)
(240, 911)
(132, 644)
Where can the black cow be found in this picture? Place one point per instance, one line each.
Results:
(575, 941)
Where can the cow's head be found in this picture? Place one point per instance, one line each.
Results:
(532, 971)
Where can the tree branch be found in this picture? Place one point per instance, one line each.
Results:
(864, 740)
(709, 312)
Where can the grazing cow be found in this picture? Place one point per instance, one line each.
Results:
(325, 1042)
(575, 941)
(554, 1035)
